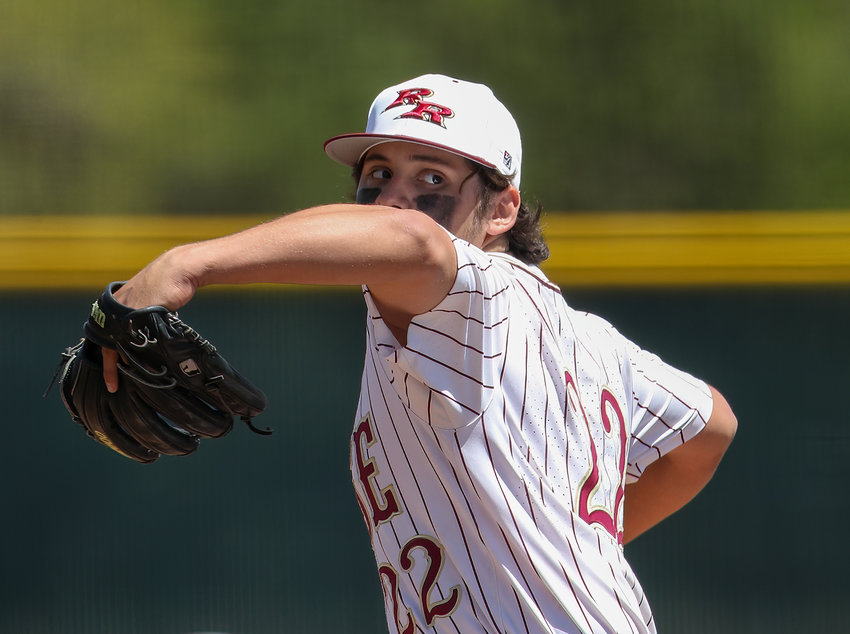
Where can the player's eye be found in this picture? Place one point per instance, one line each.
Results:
(380, 173)
(432, 179)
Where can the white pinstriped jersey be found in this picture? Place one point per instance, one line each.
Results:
(490, 455)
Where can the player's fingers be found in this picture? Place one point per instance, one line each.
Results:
(110, 369)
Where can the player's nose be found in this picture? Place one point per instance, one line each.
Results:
(395, 194)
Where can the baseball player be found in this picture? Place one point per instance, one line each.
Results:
(505, 445)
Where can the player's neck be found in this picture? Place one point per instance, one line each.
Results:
(496, 244)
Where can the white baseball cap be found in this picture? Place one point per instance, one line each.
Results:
(441, 112)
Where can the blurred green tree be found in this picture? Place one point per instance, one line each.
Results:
(214, 107)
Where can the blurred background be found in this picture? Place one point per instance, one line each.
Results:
(207, 107)
(125, 118)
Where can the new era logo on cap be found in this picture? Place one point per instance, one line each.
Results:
(439, 111)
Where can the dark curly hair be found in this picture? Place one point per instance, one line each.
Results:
(525, 238)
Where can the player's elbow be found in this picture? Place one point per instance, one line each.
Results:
(423, 244)
(704, 453)
(723, 423)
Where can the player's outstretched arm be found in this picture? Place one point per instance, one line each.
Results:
(674, 479)
(407, 260)
(386, 248)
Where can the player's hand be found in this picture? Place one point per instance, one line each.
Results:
(163, 282)
(160, 283)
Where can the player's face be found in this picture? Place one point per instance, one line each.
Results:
(411, 176)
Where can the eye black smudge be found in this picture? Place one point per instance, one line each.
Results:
(439, 206)
(367, 195)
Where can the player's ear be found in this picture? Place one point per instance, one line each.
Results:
(503, 211)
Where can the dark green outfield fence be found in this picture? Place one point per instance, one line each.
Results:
(255, 535)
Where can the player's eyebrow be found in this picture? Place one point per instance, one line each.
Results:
(374, 156)
(431, 158)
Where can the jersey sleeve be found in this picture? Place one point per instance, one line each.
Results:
(447, 372)
(669, 408)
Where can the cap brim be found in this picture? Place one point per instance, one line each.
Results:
(348, 149)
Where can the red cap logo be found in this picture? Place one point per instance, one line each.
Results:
(422, 110)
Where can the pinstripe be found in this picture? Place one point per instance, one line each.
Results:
(471, 419)
(675, 396)
(528, 557)
(466, 317)
(468, 291)
(619, 601)
(573, 591)
(534, 274)
(524, 392)
(578, 566)
(466, 407)
(615, 586)
(377, 432)
(421, 495)
(463, 533)
(646, 408)
(521, 611)
(439, 333)
(457, 518)
(450, 368)
(520, 568)
(545, 409)
(448, 499)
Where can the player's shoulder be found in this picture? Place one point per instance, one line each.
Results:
(593, 327)
(592, 321)
(528, 273)
(500, 265)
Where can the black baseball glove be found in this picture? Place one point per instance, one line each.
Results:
(175, 388)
